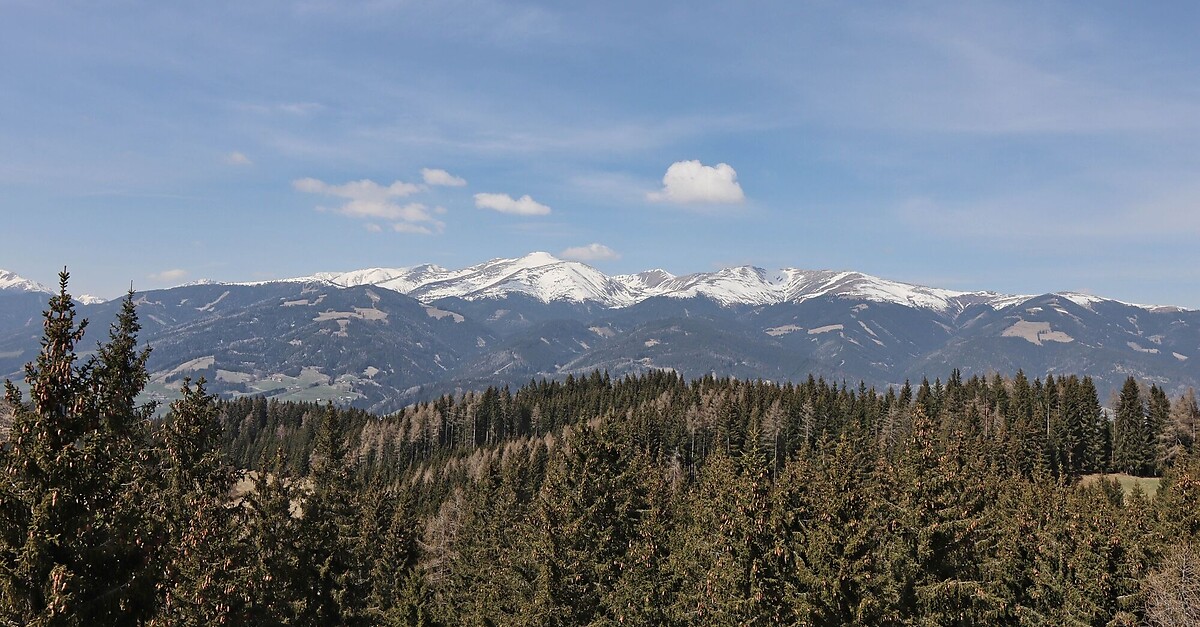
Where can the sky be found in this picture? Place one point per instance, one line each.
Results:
(1022, 147)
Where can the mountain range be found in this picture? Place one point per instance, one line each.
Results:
(382, 337)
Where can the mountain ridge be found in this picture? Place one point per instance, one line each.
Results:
(550, 279)
(357, 337)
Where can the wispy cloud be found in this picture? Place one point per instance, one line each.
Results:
(691, 182)
(367, 199)
(167, 276)
(591, 252)
(238, 159)
(433, 176)
(523, 206)
(299, 109)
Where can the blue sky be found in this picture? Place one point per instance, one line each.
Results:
(1021, 147)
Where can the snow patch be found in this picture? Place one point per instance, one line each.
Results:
(438, 314)
(783, 330)
(199, 363)
(209, 306)
(229, 376)
(825, 329)
(1180, 357)
(345, 316)
(1141, 349)
(1036, 332)
(651, 342)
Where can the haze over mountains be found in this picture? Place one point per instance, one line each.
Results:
(381, 337)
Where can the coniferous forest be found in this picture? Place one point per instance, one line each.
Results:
(593, 501)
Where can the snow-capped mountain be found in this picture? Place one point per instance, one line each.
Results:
(538, 275)
(546, 278)
(381, 337)
(88, 299)
(14, 283)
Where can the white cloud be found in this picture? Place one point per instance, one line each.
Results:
(168, 275)
(406, 227)
(691, 182)
(433, 176)
(238, 158)
(374, 228)
(523, 206)
(591, 252)
(367, 199)
(365, 189)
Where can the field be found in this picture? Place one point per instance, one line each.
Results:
(1149, 485)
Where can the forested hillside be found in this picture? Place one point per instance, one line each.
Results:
(648, 500)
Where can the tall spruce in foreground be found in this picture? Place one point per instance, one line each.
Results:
(200, 561)
(75, 530)
(122, 458)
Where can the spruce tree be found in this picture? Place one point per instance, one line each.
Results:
(585, 520)
(202, 581)
(1131, 453)
(75, 534)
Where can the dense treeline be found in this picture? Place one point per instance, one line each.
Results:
(590, 501)
(1056, 426)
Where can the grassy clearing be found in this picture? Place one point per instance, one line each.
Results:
(1149, 485)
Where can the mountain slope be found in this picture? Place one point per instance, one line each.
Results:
(382, 337)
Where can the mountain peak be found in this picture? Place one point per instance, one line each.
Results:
(15, 283)
(88, 299)
(537, 258)
(547, 278)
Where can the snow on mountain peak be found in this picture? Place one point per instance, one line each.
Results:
(13, 282)
(539, 275)
(543, 276)
(88, 299)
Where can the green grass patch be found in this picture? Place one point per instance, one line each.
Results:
(1149, 485)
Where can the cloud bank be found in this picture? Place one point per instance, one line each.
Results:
(523, 206)
(691, 182)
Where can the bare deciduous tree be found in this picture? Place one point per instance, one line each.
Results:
(1173, 591)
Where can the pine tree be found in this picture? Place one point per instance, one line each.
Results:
(1130, 439)
(585, 520)
(940, 499)
(835, 520)
(202, 579)
(75, 535)
(335, 569)
(1158, 419)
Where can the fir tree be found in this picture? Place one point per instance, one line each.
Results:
(203, 575)
(75, 532)
(1131, 452)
